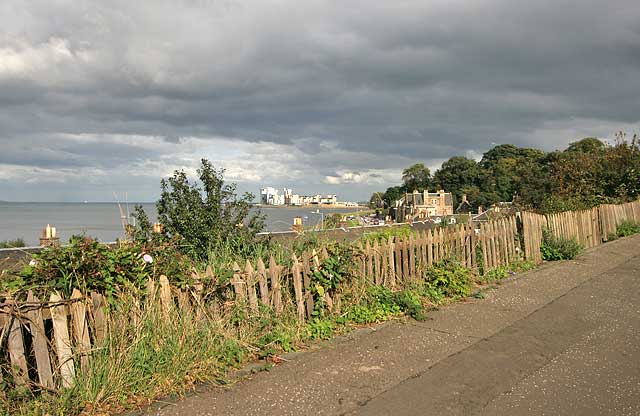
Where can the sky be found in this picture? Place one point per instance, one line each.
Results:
(331, 96)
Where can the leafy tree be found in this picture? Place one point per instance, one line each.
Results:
(377, 200)
(416, 177)
(206, 215)
(587, 145)
(588, 173)
(392, 194)
(142, 229)
(456, 175)
(498, 175)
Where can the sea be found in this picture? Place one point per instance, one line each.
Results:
(103, 220)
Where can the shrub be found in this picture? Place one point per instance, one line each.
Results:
(401, 232)
(88, 265)
(627, 228)
(205, 215)
(558, 248)
(449, 278)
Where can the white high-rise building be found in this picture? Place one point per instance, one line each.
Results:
(270, 196)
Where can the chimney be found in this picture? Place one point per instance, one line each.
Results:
(464, 197)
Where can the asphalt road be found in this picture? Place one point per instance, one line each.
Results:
(561, 340)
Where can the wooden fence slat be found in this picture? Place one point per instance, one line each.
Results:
(306, 279)
(166, 300)
(80, 327)
(369, 254)
(238, 285)
(274, 272)
(392, 265)
(398, 260)
(262, 283)
(377, 263)
(17, 354)
(62, 341)
(412, 257)
(429, 247)
(406, 248)
(297, 287)
(99, 319)
(251, 286)
(40, 344)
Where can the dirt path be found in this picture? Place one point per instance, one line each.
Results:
(563, 339)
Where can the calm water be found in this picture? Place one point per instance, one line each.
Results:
(102, 220)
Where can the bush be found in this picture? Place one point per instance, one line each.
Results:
(627, 228)
(88, 265)
(401, 232)
(206, 215)
(18, 242)
(449, 278)
(558, 248)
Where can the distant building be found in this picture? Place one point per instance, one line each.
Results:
(271, 196)
(329, 200)
(421, 205)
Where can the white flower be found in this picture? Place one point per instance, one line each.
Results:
(33, 262)
(147, 258)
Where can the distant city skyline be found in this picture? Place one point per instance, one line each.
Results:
(329, 97)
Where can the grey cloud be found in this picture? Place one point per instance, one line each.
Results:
(394, 81)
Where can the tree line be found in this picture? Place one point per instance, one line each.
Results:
(587, 173)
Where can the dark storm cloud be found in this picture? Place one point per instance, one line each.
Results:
(350, 88)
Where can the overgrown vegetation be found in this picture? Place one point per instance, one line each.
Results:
(588, 173)
(558, 248)
(385, 233)
(627, 228)
(206, 215)
(18, 242)
(88, 265)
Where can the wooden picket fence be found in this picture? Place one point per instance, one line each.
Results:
(589, 227)
(44, 344)
(611, 216)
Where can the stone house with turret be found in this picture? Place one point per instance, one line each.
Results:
(423, 205)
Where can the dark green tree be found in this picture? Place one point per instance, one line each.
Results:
(456, 175)
(416, 177)
(206, 215)
(392, 194)
(587, 145)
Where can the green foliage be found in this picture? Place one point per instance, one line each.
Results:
(335, 269)
(495, 274)
(456, 175)
(208, 214)
(142, 230)
(18, 242)
(321, 328)
(555, 248)
(392, 194)
(384, 234)
(88, 265)
(416, 177)
(378, 304)
(627, 228)
(411, 304)
(589, 172)
(449, 278)
(587, 145)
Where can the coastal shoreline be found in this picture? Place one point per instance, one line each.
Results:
(322, 206)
